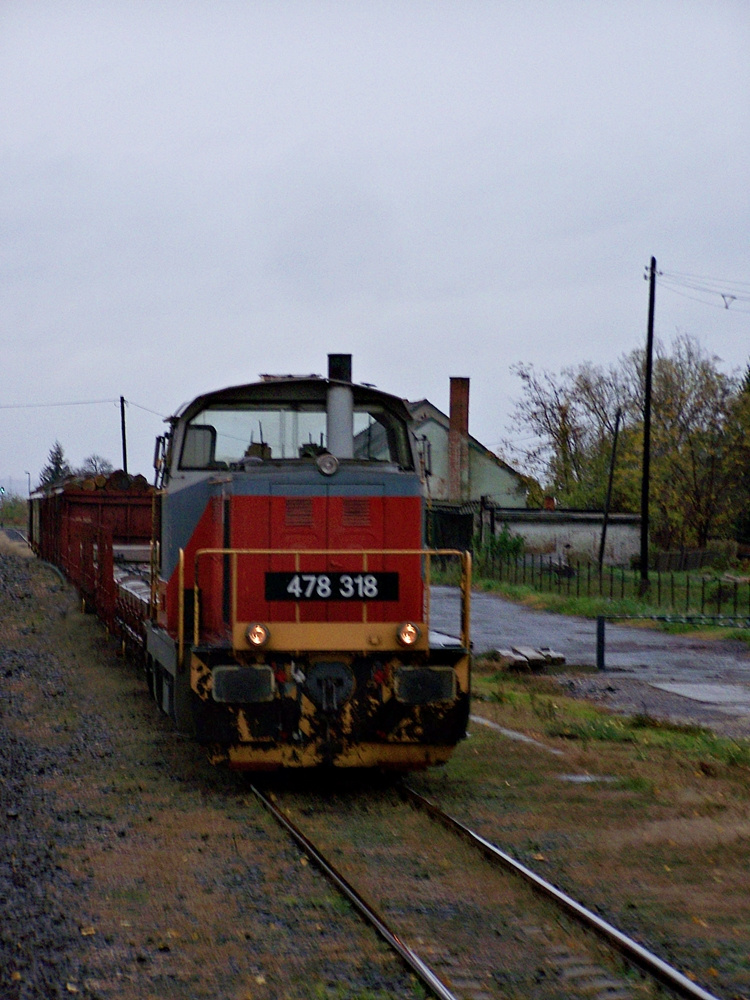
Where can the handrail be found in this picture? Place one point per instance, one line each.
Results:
(464, 556)
(181, 608)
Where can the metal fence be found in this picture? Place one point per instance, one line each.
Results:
(681, 592)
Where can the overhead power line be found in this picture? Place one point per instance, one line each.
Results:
(147, 410)
(79, 402)
(716, 292)
(722, 282)
(32, 406)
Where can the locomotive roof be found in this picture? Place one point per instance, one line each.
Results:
(292, 389)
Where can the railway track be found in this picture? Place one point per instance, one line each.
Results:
(14, 534)
(559, 960)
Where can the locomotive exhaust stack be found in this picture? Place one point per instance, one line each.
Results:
(340, 407)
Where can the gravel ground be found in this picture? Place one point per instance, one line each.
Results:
(38, 937)
(130, 868)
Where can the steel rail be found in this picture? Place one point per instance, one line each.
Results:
(645, 959)
(415, 963)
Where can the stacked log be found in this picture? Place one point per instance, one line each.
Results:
(118, 481)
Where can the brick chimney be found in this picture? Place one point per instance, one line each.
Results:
(458, 441)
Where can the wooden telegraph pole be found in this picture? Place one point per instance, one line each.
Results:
(610, 481)
(124, 438)
(646, 475)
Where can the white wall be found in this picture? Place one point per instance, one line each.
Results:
(571, 533)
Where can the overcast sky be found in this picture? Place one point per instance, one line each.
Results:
(192, 193)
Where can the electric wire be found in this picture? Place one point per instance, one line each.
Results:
(79, 402)
(695, 277)
(728, 292)
(30, 406)
(705, 302)
(138, 406)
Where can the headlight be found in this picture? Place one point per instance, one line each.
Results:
(327, 463)
(257, 634)
(408, 633)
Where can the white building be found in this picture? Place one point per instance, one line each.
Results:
(459, 468)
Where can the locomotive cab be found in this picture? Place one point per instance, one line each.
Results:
(291, 589)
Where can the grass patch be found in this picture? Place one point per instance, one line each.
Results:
(569, 604)
(538, 704)
(638, 784)
(601, 729)
(643, 721)
(646, 822)
(14, 512)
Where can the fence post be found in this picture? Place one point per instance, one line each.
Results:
(600, 642)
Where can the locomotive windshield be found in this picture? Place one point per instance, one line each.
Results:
(226, 436)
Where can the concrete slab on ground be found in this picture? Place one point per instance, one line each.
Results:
(733, 696)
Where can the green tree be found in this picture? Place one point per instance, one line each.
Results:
(57, 467)
(700, 426)
(742, 512)
(698, 435)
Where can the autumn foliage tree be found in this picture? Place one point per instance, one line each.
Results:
(700, 438)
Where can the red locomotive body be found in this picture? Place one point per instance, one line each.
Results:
(287, 619)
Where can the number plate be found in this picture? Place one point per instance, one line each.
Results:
(331, 586)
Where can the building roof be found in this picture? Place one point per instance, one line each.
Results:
(423, 411)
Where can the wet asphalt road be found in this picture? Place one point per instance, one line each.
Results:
(712, 670)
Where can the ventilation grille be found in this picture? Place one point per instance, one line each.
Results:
(356, 513)
(299, 512)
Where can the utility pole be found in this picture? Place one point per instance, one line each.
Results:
(124, 440)
(608, 500)
(646, 474)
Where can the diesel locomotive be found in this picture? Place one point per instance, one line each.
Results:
(286, 622)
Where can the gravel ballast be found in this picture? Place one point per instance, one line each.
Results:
(130, 867)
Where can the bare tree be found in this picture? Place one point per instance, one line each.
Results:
(700, 430)
(95, 465)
